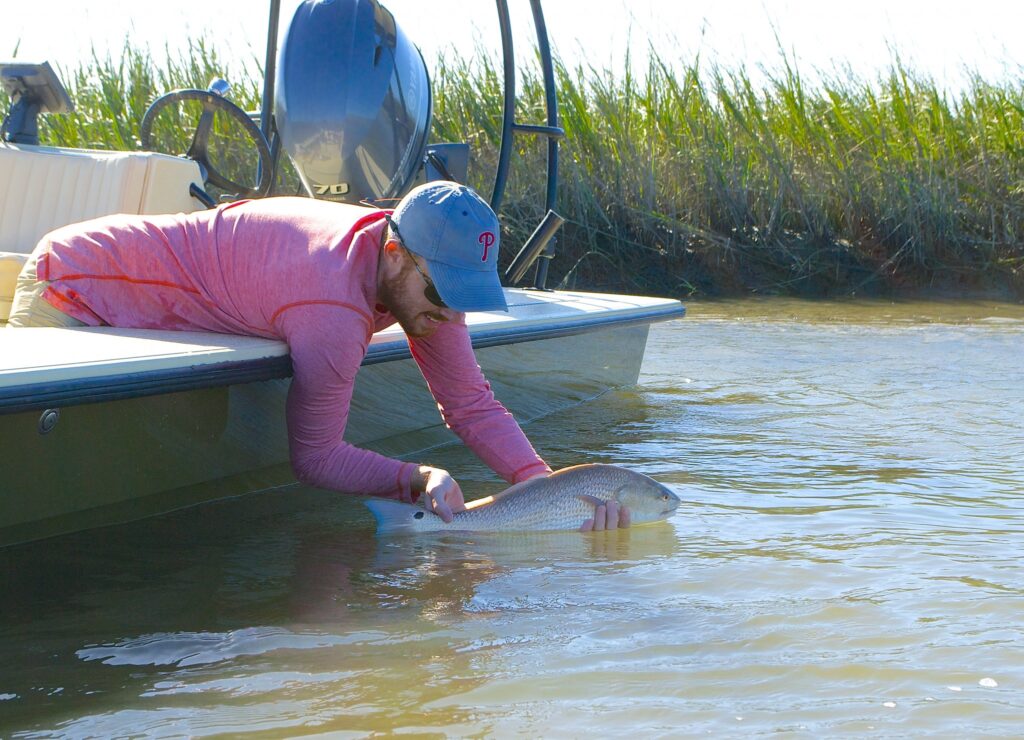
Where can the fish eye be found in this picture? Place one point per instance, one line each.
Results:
(418, 515)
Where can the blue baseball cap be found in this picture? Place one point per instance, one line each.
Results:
(457, 233)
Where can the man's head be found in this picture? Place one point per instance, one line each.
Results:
(456, 235)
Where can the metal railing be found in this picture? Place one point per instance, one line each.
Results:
(541, 245)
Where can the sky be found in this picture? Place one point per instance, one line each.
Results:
(938, 38)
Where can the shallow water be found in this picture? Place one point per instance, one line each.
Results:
(846, 560)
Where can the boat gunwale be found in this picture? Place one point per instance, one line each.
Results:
(120, 386)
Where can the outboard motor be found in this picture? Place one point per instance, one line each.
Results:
(352, 101)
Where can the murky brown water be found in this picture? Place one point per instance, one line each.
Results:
(847, 559)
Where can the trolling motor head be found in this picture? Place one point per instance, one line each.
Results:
(352, 101)
(34, 89)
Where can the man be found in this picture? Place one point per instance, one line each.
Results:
(323, 277)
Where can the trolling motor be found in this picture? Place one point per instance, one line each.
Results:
(34, 89)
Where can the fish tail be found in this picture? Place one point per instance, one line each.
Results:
(393, 517)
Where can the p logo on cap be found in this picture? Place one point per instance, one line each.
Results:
(487, 239)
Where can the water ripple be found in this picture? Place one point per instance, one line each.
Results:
(200, 648)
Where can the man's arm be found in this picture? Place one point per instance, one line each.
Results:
(469, 407)
(327, 345)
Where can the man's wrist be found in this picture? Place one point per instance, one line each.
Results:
(418, 480)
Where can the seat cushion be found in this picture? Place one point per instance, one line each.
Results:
(43, 188)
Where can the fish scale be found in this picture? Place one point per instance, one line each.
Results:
(560, 501)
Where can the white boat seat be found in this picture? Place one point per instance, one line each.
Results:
(43, 188)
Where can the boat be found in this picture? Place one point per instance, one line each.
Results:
(100, 425)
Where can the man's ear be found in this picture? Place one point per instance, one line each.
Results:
(393, 249)
(391, 254)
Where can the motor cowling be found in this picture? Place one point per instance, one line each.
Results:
(352, 102)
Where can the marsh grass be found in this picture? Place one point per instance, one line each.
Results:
(695, 179)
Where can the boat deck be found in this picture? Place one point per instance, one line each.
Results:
(41, 368)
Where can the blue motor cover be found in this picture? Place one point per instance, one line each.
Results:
(352, 101)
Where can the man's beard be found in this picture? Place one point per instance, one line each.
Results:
(395, 294)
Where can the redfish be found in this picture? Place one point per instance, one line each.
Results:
(558, 502)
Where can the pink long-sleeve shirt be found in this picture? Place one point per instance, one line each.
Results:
(296, 269)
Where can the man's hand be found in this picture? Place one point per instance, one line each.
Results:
(607, 516)
(444, 497)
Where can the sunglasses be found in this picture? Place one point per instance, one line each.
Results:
(429, 289)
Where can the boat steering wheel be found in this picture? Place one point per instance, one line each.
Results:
(197, 151)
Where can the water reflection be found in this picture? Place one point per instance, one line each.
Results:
(219, 590)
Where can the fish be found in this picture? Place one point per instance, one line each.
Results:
(558, 502)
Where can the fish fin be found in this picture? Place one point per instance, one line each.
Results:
(394, 517)
(592, 500)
